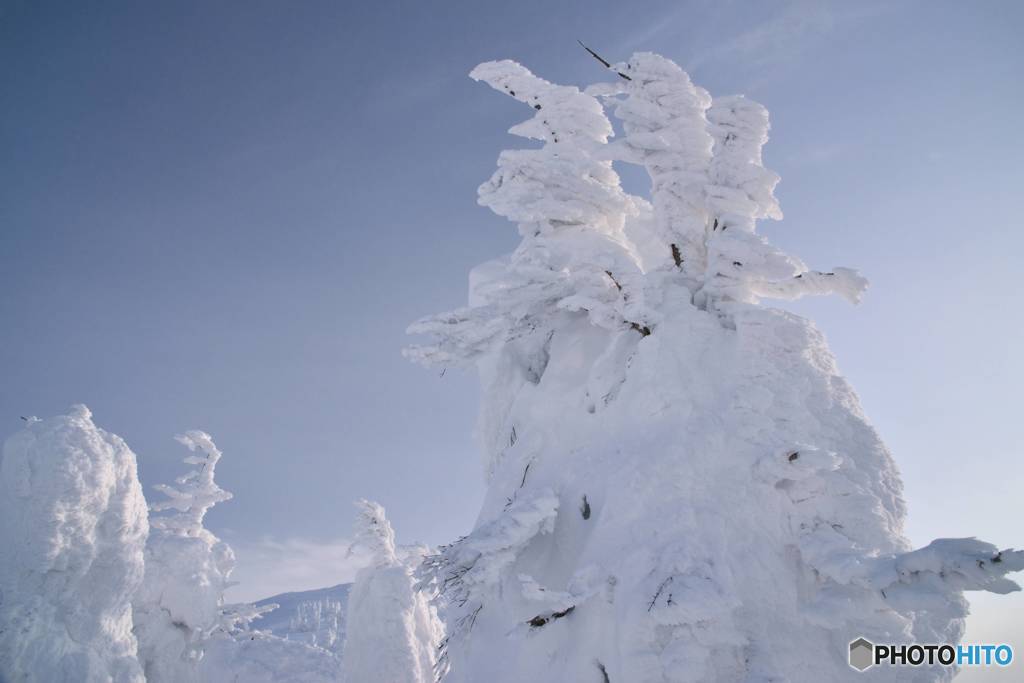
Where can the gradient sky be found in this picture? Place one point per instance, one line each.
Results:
(223, 215)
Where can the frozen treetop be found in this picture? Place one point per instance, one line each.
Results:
(374, 533)
(563, 183)
(196, 492)
(591, 249)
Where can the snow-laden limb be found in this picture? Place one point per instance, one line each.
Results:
(180, 604)
(845, 282)
(532, 296)
(196, 492)
(916, 593)
(948, 565)
(743, 266)
(72, 531)
(563, 183)
(929, 583)
(463, 576)
(462, 573)
(392, 632)
(570, 209)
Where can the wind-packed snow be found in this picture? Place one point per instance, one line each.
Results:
(682, 487)
(392, 633)
(72, 531)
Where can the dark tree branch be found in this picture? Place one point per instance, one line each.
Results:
(601, 59)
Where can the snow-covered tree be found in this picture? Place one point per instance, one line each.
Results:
(72, 531)
(180, 604)
(681, 485)
(391, 631)
(574, 264)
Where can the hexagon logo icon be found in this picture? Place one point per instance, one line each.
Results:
(862, 654)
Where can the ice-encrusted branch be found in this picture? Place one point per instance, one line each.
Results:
(570, 209)
(845, 282)
(462, 575)
(196, 492)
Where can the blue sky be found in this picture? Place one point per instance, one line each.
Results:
(223, 216)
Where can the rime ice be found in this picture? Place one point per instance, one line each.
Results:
(681, 486)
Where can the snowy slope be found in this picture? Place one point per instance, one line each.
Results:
(314, 617)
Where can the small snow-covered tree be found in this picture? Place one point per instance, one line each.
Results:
(180, 604)
(391, 631)
(72, 531)
(681, 486)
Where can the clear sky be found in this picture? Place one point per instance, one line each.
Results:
(223, 216)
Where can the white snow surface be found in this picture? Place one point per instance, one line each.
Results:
(73, 527)
(681, 485)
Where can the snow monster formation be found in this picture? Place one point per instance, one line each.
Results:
(73, 529)
(681, 486)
